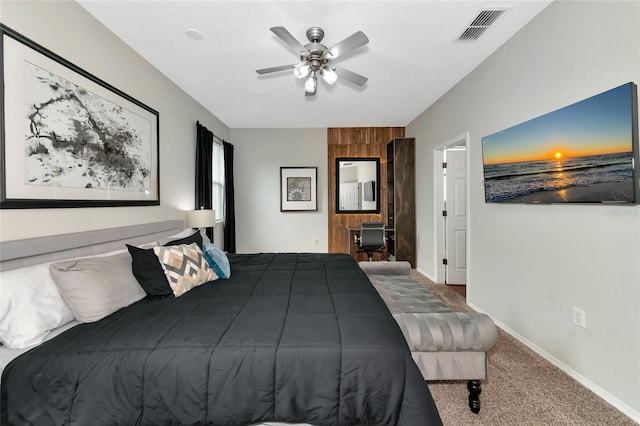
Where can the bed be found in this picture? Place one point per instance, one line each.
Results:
(288, 337)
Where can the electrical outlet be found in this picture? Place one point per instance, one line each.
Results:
(315, 241)
(579, 317)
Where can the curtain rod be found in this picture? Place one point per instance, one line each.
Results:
(214, 136)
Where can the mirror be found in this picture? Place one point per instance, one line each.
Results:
(357, 185)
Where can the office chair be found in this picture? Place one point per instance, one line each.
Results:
(371, 239)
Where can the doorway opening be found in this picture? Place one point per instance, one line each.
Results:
(451, 213)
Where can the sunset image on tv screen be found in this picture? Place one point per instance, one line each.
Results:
(581, 153)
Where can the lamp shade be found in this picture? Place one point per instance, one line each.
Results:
(202, 218)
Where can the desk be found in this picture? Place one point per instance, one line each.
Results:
(350, 246)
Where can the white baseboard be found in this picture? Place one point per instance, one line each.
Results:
(615, 402)
(426, 275)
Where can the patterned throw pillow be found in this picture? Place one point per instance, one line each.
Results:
(147, 268)
(184, 266)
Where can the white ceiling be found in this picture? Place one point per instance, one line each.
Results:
(412, 59)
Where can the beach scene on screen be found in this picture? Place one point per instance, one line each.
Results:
(580, 153)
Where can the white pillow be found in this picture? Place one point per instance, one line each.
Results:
(30, 306)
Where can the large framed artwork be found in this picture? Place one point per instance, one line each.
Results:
(68, 138)
(298, 189)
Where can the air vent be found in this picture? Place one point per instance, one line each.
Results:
(479, 25)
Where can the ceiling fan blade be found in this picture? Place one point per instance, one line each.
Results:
(275, 69)
(290, 40)
(354, 41)
(350, 76)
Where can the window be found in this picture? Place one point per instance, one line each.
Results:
(217, 177)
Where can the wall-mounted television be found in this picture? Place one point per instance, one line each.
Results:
(586, 152)
(369, 189)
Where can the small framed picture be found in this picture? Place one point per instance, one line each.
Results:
(298, 189)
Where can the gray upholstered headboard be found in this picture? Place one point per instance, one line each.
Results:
(31, 251)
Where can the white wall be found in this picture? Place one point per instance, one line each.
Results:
(530, 264)
(258, 156)
(69, 31)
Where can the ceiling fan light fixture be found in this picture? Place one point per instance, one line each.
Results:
(302, 69)
(311, 84)
(328, 75)
(315, 58)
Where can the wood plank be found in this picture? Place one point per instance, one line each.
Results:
(405, 200)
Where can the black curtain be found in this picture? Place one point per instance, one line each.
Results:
(229, 200)
(204, 170)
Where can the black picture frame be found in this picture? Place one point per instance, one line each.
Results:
(298, 189)
(68, 138)
(358, 185)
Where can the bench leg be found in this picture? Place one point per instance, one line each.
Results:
(474, 395)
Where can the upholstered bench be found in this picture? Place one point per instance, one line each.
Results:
(446, 345)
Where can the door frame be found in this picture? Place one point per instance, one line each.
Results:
(438, 198)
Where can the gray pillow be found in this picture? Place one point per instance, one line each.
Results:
(95, 287)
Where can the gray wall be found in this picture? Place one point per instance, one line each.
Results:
(528, 265)
(258, 156)
(69, 31)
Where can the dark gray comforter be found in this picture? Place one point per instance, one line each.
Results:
(289, 337)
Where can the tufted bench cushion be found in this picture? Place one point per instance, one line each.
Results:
(446, 345)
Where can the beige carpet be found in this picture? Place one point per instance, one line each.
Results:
(522, 389)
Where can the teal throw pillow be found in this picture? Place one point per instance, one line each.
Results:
(218, 261)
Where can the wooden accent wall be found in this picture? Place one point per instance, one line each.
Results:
(356, 142)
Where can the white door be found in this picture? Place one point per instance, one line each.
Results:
(456, 219)
(350, 198)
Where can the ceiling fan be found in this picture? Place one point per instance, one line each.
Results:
(316, 59)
